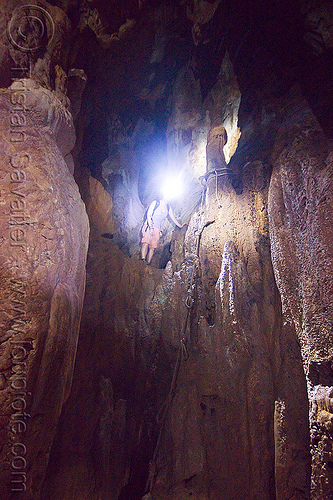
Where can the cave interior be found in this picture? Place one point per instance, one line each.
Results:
(208, 373)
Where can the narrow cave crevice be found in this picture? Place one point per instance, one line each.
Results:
(166, 256)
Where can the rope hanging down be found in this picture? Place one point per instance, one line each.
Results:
(219, 172)
(182, 355)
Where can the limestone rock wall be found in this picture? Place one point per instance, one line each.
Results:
(236, 422)
(234, 397)
(240, 386)
(194, 377)
(44, 239)
(43, 253)
(300, 209)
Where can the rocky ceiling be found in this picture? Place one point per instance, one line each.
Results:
(209, 373)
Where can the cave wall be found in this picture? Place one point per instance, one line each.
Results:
(44, 240)
(300, 213)
(238, 395)
(159, 81)
(225, 415)
(44, 246)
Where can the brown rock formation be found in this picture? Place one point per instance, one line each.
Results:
(237, 395)
(44, 231)
(221, 422)
(43, 248)
(194, 377)
(301, 229)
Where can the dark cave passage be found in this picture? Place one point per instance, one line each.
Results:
(207, 372)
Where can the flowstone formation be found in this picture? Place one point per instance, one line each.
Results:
(208, 374)
(44, 239)
(43, 251)
(300, 228)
